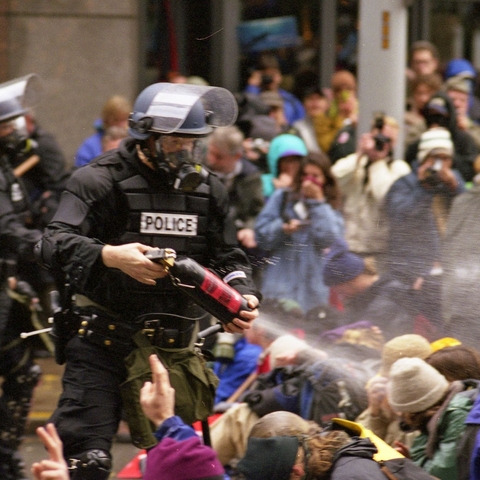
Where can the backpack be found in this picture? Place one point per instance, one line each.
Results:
(318, 391)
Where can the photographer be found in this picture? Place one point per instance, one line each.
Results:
(268, 77)
(295, 225)
(418, 206)
(364, 178)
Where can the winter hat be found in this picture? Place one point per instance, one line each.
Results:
(271, 98)
(184, 460)
(272, 457)
(341, 265)
(458, 84)
(460, 67)
(414, 385)
(436, 106)
(261, 126)
(409, 345)
(435, 138)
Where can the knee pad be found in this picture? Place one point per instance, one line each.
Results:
(21, 383)
(90, 465)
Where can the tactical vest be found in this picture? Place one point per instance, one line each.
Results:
(18, 194)
(165, 218)
(19, 204)
(168, 218)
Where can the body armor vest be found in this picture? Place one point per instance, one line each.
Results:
(166, 219)
(19, 203)
(18, 194)
(160, 216)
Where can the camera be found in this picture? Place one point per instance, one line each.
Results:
(380, 139)
(432, 176)
(260, 145)
(266, 80)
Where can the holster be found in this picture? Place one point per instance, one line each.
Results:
(193, 381)
(62, 331)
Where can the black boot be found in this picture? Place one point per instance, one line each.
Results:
(91, 465)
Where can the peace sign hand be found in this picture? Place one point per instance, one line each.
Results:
(55, 468)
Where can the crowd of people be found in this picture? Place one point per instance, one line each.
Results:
(362, 263)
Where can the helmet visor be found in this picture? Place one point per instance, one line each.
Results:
(26, 90)
(172, 104)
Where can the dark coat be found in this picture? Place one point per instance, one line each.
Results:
(414, 243)
(355, 461)
(387, 304)
(466, 150)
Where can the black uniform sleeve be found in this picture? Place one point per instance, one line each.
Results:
(13, 232)
(50, 173)
(71, 242)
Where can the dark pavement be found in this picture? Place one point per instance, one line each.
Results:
(44, 401)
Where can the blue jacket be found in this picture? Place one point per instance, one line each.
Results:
(233, 374)
(295, 267)
(414, 243)
(91, 147)
(469, 465)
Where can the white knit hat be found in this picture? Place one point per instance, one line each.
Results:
(408, 345)
(414, 385)
(431, 140)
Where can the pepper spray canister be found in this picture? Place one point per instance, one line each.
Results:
(205, 288)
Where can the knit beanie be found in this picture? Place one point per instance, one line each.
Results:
(183, 460)
(271, 458)
(409, 345)
(458, 84)
(341, 265)
(432, 139)
(414, 385)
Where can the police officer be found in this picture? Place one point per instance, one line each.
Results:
(150, 192)
(17, 368)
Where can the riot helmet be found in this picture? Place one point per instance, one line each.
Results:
(165, 111)
(16, 98)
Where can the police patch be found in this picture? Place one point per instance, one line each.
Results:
(168, 224)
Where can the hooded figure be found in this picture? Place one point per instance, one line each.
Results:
(281, 147)
(440, 112)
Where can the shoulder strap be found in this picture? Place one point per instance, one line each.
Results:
(283, 205)
(386, 471)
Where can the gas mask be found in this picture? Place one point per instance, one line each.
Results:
(14, 141)
(179, 159)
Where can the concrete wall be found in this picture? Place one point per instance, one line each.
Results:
(84, 51)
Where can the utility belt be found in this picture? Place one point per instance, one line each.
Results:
(115, 333)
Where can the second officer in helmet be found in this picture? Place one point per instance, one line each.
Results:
(151, 192)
